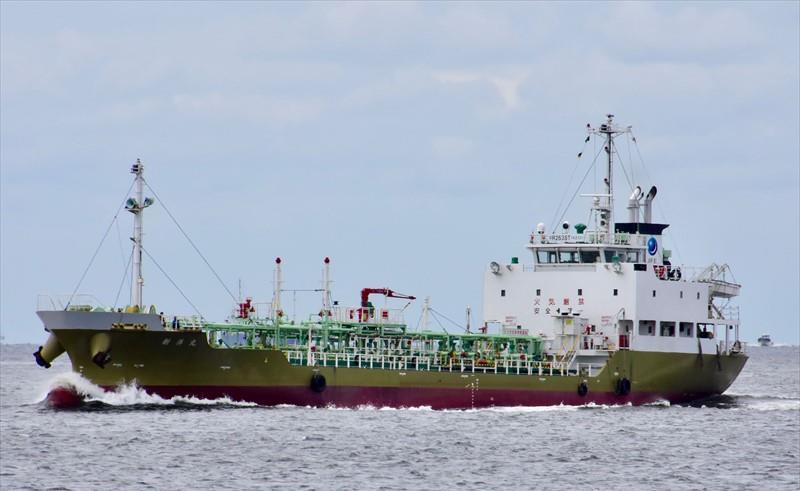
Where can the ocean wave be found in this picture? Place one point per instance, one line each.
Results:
(528, 409)
(750, 402)
(659, 403)
(492, 409)
(541, 409)
(770, 404)
(759, 395)
(366, 407)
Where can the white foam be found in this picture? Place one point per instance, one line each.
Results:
(362, 407)
(541, 409)
(758, 395)
(128, 394)
(774, 405)
(525, 409)
(496, 409)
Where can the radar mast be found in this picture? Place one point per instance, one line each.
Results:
(605, 206)
(136, 206)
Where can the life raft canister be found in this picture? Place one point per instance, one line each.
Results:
(583, 389)
(623, 387)
(318, 382)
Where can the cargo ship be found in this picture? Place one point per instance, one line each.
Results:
(592, 314)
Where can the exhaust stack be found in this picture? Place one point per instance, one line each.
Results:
(277, 284)
(648, 205)
(326, 288)
(633, 205)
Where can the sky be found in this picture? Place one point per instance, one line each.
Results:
(413, 143)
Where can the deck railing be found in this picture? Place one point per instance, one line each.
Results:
(375, 315)
(439, 362)
(62, 302)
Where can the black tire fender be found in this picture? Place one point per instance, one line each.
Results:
(318, 382)
(623, 387)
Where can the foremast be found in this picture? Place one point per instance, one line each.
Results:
(136, 206)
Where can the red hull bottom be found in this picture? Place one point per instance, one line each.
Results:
(412, 397)
(64, 398)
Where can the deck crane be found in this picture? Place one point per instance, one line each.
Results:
(366, 292)
(367, 309)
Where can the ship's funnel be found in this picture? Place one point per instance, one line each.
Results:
(633, 205)
(49, 352)
(648, 205)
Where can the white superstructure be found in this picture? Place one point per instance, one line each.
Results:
(592, 290)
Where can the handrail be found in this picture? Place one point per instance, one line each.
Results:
(385, 361)
(60, 302)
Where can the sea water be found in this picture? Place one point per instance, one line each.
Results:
(748, 438)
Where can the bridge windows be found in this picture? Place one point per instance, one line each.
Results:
(547, 256)
(588, 255)
(685, 329)
(632, 256)
(568, 257)
(624, 255)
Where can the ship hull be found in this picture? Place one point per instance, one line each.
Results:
(181, 363)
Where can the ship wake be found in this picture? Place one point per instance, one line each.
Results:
(753, 402)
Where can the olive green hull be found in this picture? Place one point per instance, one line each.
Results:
(171, 363)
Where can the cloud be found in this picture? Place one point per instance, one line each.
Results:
(508, 89)
(506, 86)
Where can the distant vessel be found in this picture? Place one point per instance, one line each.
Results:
(597, 315)
(765, 340)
